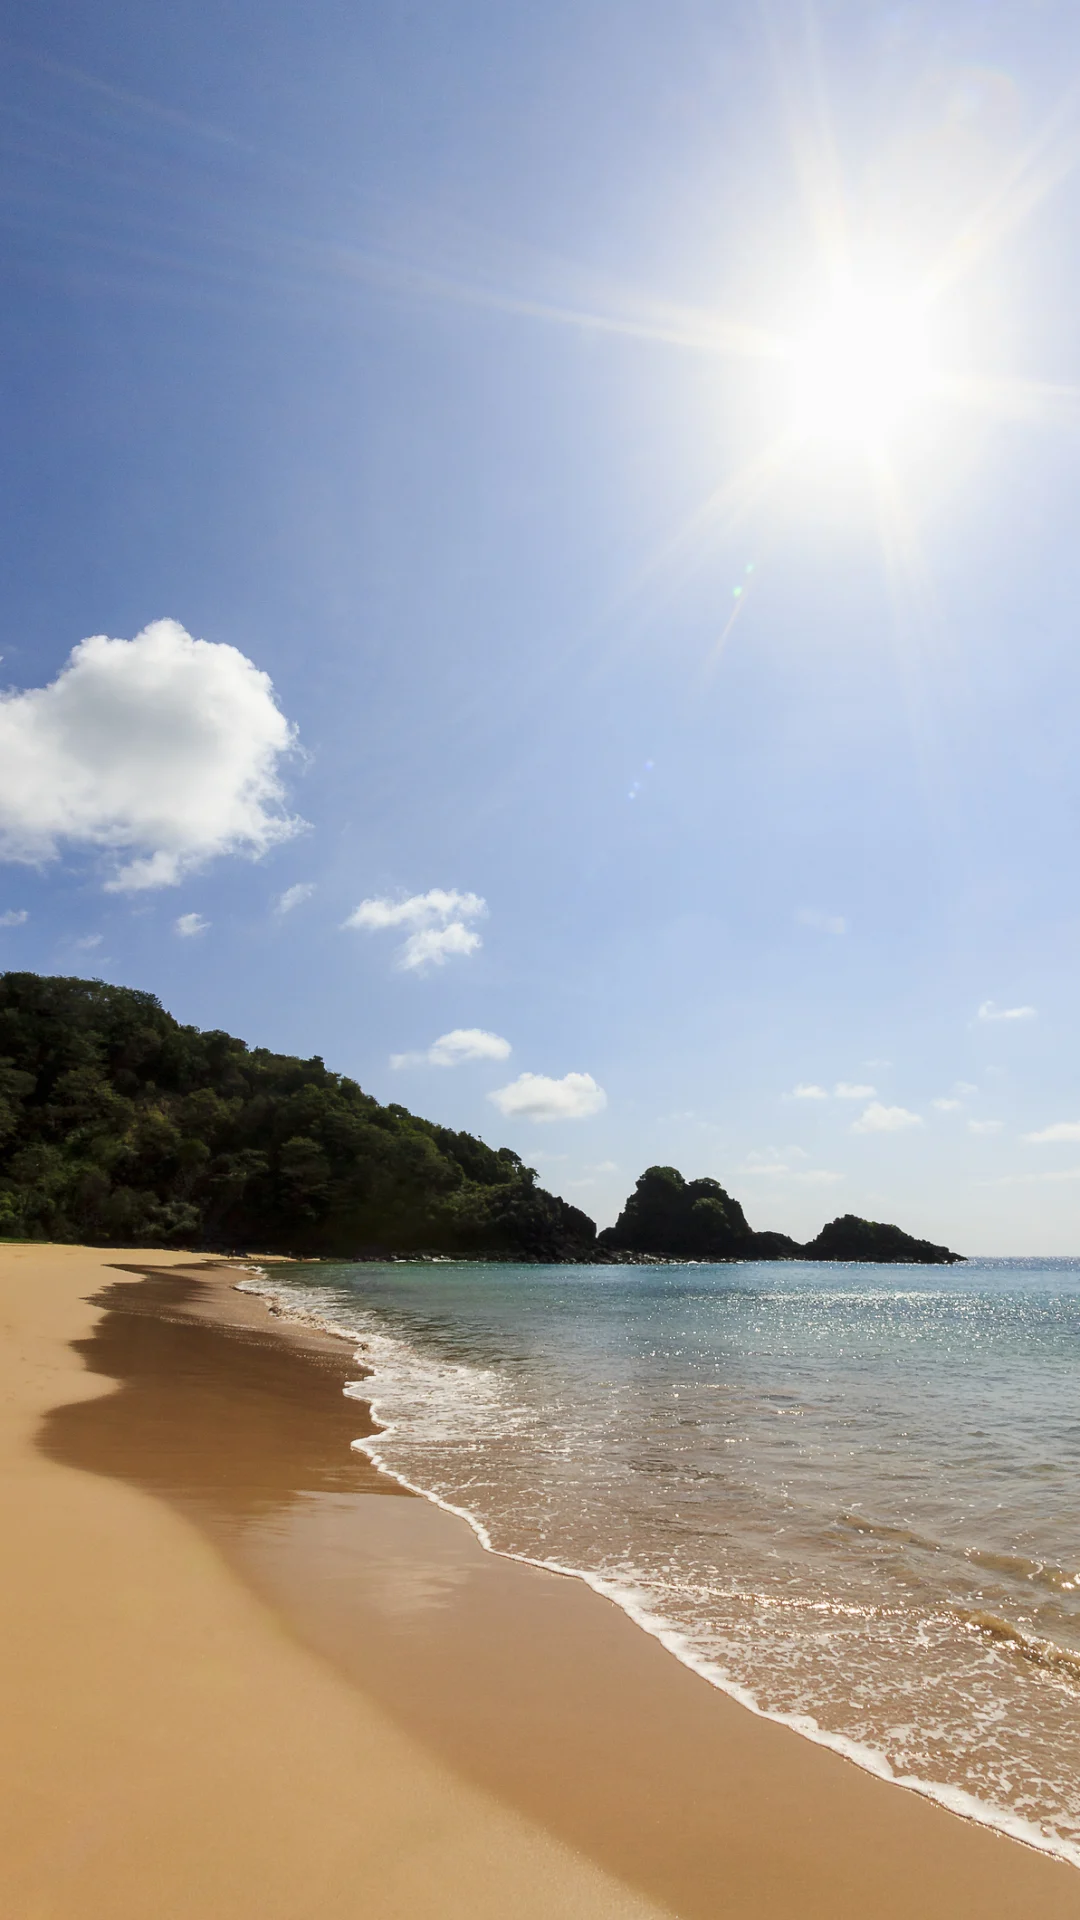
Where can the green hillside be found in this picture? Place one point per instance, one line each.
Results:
(119, 1126)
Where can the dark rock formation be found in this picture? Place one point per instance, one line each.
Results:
(850, 1238)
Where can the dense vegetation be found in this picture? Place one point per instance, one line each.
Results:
(697, 1220)
(119, 1126)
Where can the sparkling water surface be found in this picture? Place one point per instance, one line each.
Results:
(851, 1494)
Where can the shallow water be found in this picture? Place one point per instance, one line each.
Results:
(848, 1493)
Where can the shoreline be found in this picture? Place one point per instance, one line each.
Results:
(953, 1800)
(591, 1771)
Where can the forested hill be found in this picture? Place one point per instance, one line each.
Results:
(119, 1126)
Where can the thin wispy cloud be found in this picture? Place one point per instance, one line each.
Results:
(990, 1011)
(535, 1096)
(806, 1090)
(850, 1090)
(1061, 1131)
(988, 1126)
(163, 752)
(437, 919)
(190, 924)
(882, 1119)
(14, 917)
(820, 921)
(294, 896)
(947, 1106)
(456, 1049)
(88, 942)
(776, 1166)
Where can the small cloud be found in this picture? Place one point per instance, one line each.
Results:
(821, 922)
(847, 1090)
(454, 1049)
(879, 1119)
(189, 924)
(947, 1106)
(773, 1165)
(988, 1011)
(992, 1126)
(14, 917)
(966, 1088)
(1032, 1179)
(807, 1091)
(433, 946)
(88, 941)
(438, 919)
(534, 1096)
(605, 1166)
(294, 896)
(1062, 1130)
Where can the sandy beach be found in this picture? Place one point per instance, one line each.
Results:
(245, 1674)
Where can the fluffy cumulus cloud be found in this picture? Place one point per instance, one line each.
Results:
(456, 1049)
(162, 750)
(990, 1011)
(14, 917)
(881, 1119)
(807, 1091)
(850, 1090)
(294, 896)
(190, 924)
(1062, 1132)
(437, 924)
(534, 1096)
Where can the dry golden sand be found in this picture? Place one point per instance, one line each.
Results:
(169, 1749)
(240, 1679)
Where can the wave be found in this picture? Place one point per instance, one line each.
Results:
(479, 1398)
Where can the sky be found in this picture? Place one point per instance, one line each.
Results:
(540, 566)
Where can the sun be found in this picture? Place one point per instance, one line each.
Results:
(863, 370)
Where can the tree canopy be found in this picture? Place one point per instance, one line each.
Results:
(119, 1126)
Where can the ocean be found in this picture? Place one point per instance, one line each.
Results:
(848, 1495)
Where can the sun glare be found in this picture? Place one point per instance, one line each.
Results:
(862, 370)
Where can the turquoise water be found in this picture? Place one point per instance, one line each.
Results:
(850, 1494)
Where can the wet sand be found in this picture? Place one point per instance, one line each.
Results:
(251, 1675)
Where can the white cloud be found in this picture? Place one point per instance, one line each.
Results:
(805, 1091)
(454, 1049)
(189, 924)
(947, 1106)
(88, 941)
(163, 747)
(14, 917)
(821, 922)
(988, 1011)
(1061, 1130)
(772, 1165)
(534, 1096)
(847, 1090)
(879, 1119)
(294, 896)
(438, 921)
(989, 1126)
(1032, 1179)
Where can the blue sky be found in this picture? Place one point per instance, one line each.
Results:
(428, 359)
